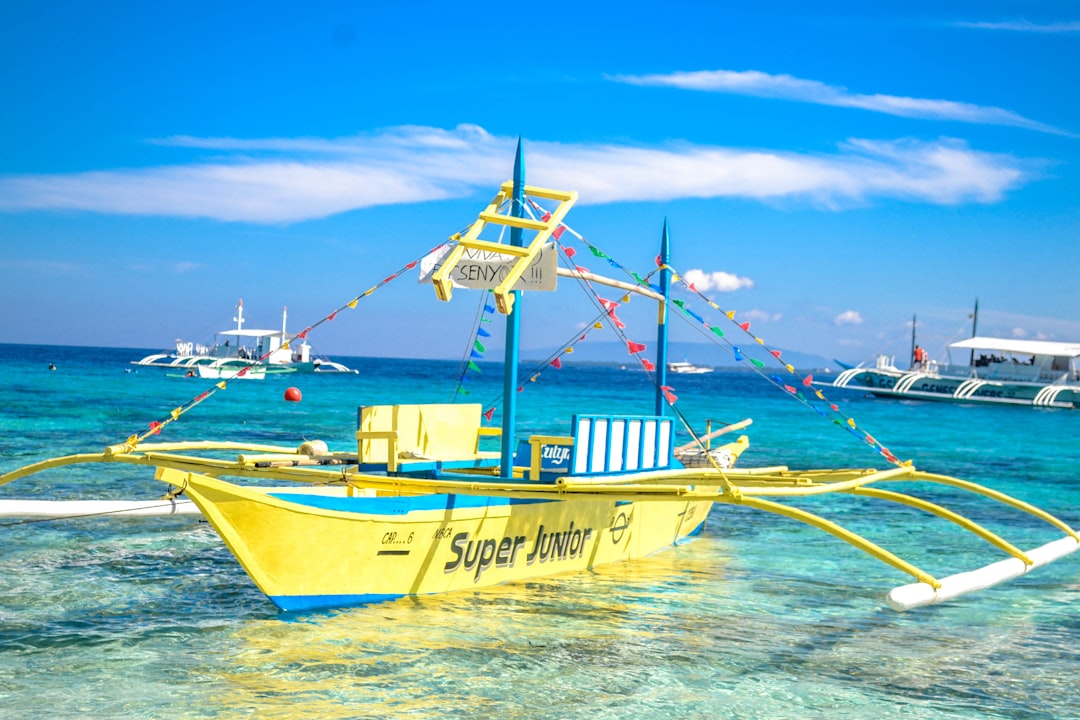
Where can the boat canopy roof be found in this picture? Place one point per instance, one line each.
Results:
(252, 333)
(1022, 347)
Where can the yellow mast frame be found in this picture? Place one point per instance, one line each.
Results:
(504, 299)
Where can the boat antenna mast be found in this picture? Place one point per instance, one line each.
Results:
(913, 325)
(661, 322)
(513, 327)
(239, 319)
(974, 329)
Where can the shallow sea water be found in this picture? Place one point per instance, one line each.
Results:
(759, 617)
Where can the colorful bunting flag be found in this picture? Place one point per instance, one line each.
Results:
(488, 413)
(634, 347)
(557, 364)
(671, 396)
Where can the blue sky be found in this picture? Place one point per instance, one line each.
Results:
(827, 170)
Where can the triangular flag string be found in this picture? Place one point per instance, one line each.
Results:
(758, 366)
(717, 335)
(476, 350)
(155, 427)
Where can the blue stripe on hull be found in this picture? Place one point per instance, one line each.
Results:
(299, 603)
(398, 505)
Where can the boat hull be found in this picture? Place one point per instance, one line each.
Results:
(966, 389)
(311, 551)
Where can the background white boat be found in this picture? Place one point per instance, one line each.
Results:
(997, 370)
(686, 368)
(241, 346)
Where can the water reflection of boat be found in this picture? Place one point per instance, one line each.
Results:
(232, 349)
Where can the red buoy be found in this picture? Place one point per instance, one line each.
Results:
(293, 395)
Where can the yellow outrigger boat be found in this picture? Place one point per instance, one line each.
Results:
(423, 506)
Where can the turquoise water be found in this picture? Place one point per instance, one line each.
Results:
(760, 617)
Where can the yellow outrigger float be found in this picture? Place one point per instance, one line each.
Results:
(421, 506)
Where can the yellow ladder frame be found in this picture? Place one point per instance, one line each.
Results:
(504, 299)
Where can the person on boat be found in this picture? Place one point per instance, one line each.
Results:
(919, 358)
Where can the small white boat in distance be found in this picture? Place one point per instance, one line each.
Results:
(685, 368)
(232, 349)
(993, 370)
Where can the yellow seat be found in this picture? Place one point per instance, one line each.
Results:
(417, 436)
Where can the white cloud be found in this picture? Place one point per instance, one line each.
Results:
(280, 180)
(719, 280)
(788, 87)
(1025, 26)
(760, 316)
(1019, 332)
(848, 317)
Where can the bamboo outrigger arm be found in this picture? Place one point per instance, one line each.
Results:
(751, 487)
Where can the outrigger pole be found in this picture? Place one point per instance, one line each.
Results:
(661, 320)
(513, 329)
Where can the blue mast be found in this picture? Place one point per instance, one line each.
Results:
(661, 320)
(513, 329)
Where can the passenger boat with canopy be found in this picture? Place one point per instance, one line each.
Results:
(429, 498)
(244, 353)
(1001, 371)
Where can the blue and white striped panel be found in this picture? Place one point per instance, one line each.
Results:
(614, 444)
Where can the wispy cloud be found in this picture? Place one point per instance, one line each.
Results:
(281, 180)
(1025, 26)
(788, 87)
(761, 316)
(180, 268)
(44, 267)
(848, 317)
(718, 280)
